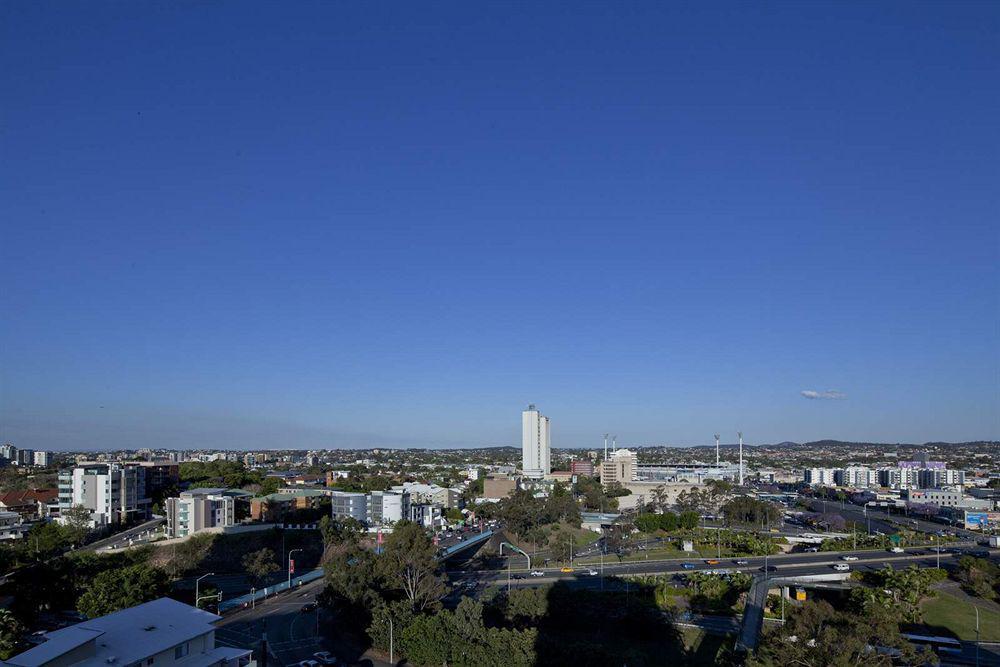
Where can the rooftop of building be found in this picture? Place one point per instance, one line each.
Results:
(125, 636)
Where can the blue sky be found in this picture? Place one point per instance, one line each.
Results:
(346, 224)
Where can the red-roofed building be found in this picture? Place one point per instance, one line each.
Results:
(32, 504)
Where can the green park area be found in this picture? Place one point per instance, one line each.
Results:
(956, 615)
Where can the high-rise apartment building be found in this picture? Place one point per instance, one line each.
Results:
(43, 459)
(113, 492)
(535, 443)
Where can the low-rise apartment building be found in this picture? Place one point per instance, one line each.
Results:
(199, 509)
(160, 633)
(112, 492)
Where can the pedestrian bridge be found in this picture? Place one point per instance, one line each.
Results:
(476, 540)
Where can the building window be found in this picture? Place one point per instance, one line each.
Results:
(181, 650)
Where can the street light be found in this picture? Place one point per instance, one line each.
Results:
(196, 583)
(290, 566)
(390, 642)
(976, 607)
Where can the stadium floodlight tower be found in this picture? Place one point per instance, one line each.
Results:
(740, 433)
(605, 446)
(716, 450)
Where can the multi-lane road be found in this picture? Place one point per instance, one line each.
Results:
(790, 564)
(294, 631)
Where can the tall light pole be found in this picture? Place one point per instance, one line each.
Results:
(740, 433)
(290, 566)
(976, 607)
(716, 450)
(196, 586)
(605, 446)
(390, 642)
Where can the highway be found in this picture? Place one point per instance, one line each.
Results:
(136, 534)
(793, 564)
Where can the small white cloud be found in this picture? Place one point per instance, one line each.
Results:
(829, 394)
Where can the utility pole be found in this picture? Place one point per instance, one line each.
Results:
(391, 656)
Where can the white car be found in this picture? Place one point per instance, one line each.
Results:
(896, 550)
(848, 558)
(537, 573)
(842, 567)
(591, 573)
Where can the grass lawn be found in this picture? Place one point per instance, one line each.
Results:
(954, 614)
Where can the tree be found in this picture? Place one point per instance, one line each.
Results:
(352, 575)
(77, 522)
(815, 635)
(409, 564)
(258, 564)
(688, 520)
(10, 634)
(401, 613)
(562, 546)
(116, 589)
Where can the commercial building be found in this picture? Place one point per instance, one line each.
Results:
(581, 468)
(43, 459)
(8, 452)
(535, 443)
(620, 467)
(112, 492)
(25, 458)
(939, 497)
(200, 509)
(160, 633)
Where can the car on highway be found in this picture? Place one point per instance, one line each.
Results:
(768, 568)
(325, 658)
(741, 561)
(841, 567)
(848, 558)
(591, 573)
(896, 550)
(566, 569)
(309, 606)
(537, 573)
(687, 566)
(711, 561)
(811, 550)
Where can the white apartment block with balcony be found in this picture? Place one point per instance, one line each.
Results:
(819, 476)
(112, 492)
(160, 633)
(199, 509)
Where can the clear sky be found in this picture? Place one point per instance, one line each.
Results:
(354, 224)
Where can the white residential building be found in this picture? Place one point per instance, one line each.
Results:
(858, 477)
(198, 509)
(113, 492)
(819, 476)
(387, 507)
(535, 443)
(11, 526)
(349, 504)
(43, 459)
(160, 633)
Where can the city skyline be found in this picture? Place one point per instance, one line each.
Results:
(399, 227)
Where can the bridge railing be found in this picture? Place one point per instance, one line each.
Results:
(266, 592)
